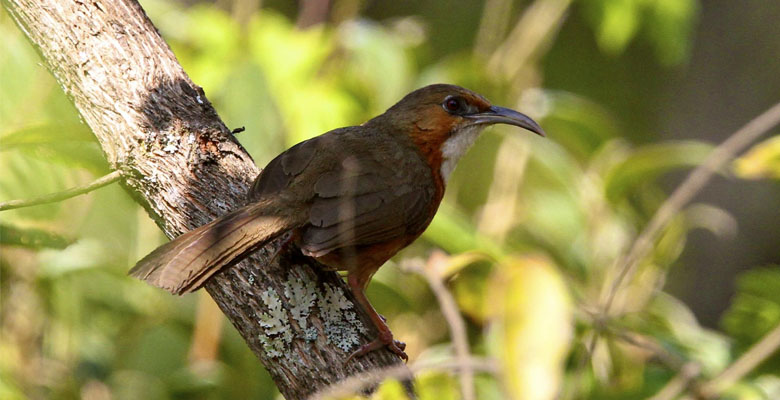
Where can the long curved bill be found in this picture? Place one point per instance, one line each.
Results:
(503, 115)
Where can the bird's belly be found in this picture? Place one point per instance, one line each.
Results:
(364, 259)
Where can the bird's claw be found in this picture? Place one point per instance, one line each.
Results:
(393, 345)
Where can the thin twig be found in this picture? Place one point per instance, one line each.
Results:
(65, 194)
(432, 273)
(757, 353)
(371, 378)
(697, 179)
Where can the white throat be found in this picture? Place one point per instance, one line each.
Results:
(455, 146)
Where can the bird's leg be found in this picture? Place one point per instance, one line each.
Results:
(385, 338)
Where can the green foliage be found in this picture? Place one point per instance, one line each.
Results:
(756, 309)
(762, 161)
(534, 226)
(666, 24)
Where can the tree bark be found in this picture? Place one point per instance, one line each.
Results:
(181, 163)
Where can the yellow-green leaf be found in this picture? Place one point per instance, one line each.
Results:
(762, 161)
(533, 327)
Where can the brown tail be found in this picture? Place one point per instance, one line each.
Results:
(185, 263)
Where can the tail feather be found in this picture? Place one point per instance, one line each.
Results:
(185, 263)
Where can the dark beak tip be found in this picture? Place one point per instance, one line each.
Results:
(502, 115)
(535, 128)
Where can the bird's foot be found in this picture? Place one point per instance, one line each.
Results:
(393, 345)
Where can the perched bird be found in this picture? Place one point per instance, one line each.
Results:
(351, 198)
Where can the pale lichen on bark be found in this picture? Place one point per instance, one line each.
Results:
(339, 323)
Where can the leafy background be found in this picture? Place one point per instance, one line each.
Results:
(633, 93)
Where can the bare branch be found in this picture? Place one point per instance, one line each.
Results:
(697, 179)
(65, 194)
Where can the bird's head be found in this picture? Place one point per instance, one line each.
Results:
(445, 120)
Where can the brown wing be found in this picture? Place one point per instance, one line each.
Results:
(280, 172)
(363, 202)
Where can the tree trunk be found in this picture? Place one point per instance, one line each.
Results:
(183, 165)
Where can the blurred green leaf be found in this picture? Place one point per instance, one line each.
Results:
(376, 62)
(580, 125)
(84, 254)
(667, 25)
(454, 233)
(670, 25)
(756, 306)
(208, 43)
(26, 177)
(293, 64)
(619, 22)
(646, 163)
(72, 145)
(670, 321)
(31, 238)
(471, 288)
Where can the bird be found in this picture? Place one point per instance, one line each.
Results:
(350, 198)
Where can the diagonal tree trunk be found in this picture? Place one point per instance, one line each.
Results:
(183, 165)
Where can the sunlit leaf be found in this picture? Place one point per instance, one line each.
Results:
(619, 24)
(669, 26)
(534, 326)
(9, 391)
(432, 385)
(768, 385)
(293, 63)
(208, 44)
(390, 389)
(761, 161)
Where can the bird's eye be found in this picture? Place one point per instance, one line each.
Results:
(453, 105)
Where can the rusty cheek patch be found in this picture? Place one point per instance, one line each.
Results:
(429, 134)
